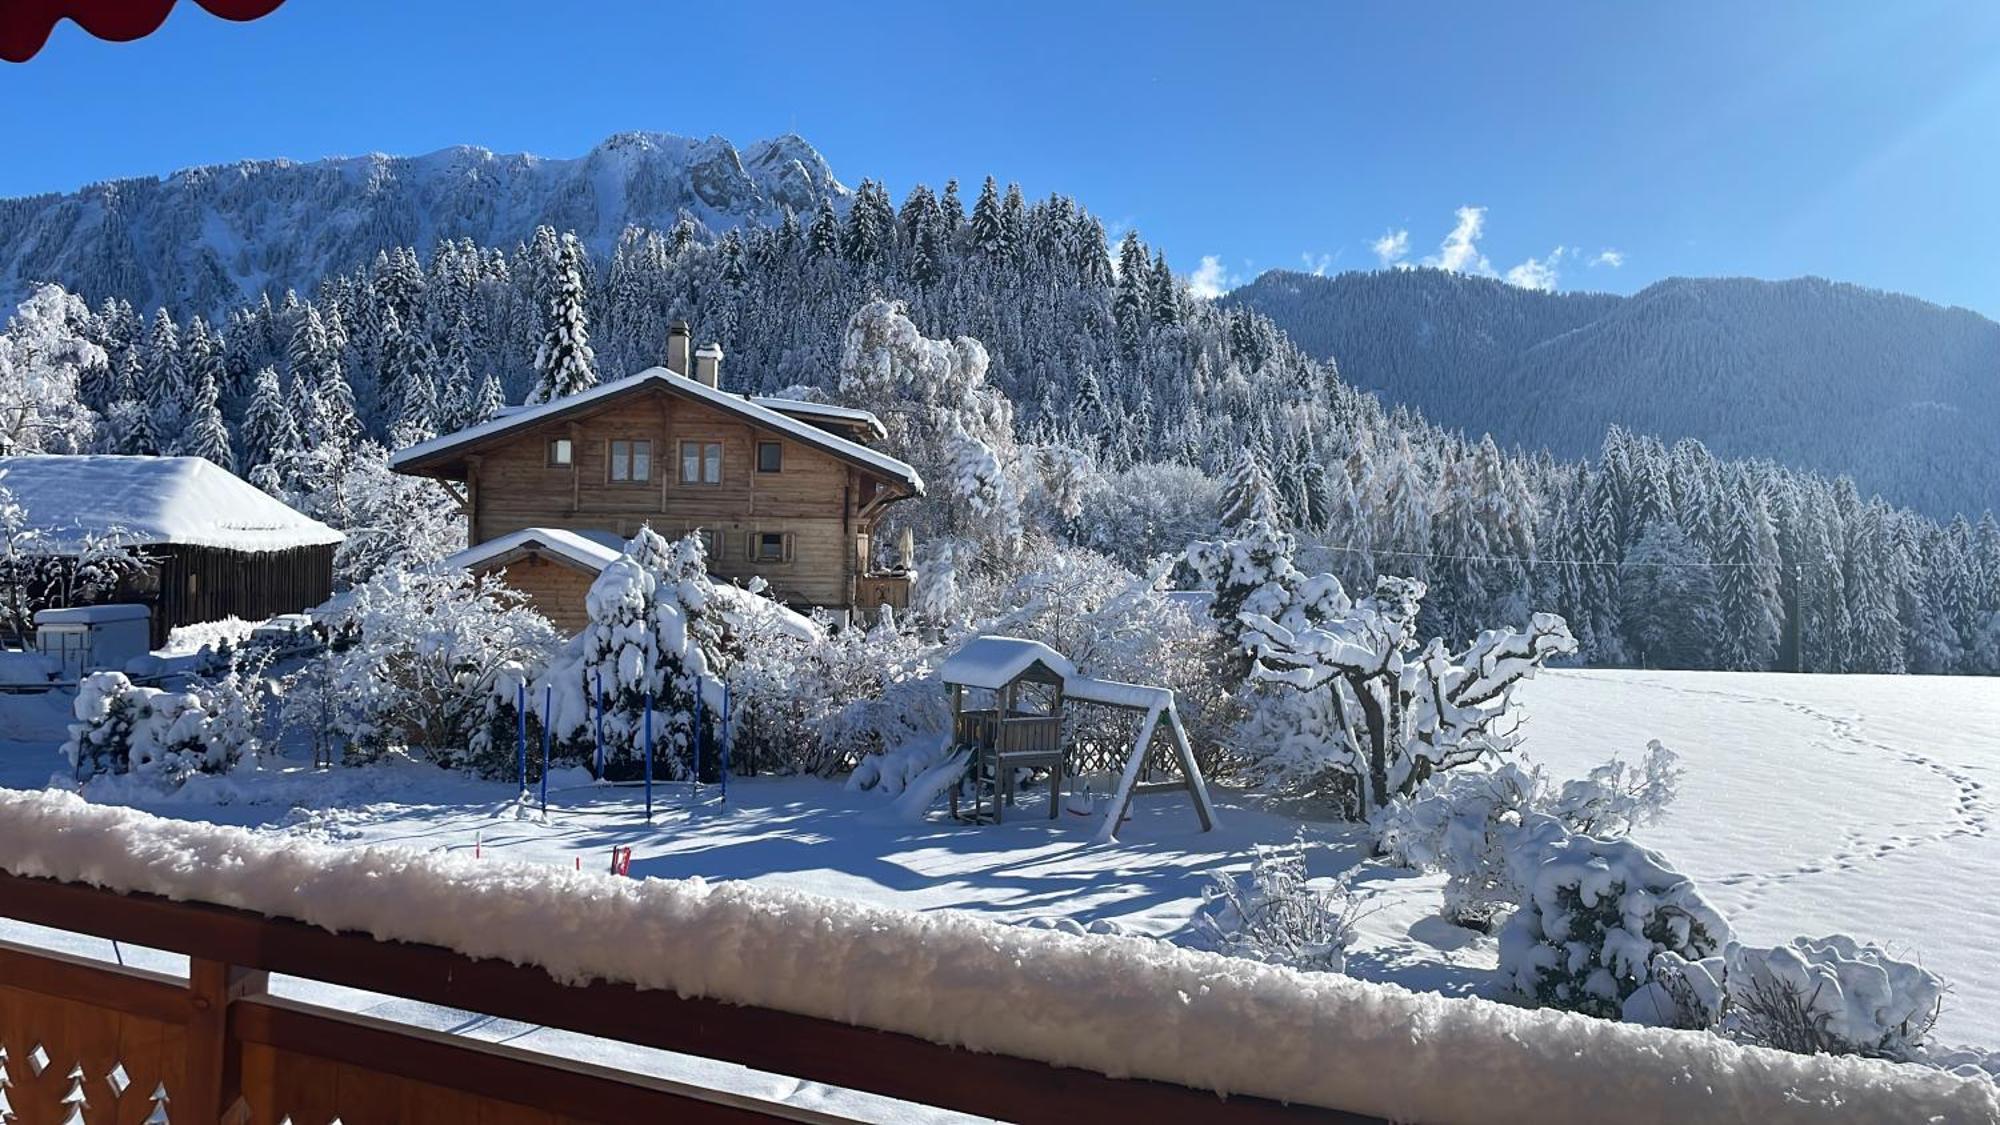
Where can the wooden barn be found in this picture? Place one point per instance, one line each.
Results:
(213, 545)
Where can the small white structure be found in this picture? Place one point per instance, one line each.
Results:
(1007, 737)
(91, 638)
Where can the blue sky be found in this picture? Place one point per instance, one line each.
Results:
(1854, 141)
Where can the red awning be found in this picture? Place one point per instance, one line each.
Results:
(25, 24)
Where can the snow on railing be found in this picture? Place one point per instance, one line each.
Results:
(1126, 1007)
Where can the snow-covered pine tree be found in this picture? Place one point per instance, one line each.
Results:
(488, 402)
(565, 364)
(1250, 496)
(267, 434)
(166, 390)
(207, 436)
(1752, 613)
(1667, 599)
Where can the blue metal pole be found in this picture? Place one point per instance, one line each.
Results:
(600, 724)
(697, 738)
(548, 704)
(521, 729)
(728, 713)
(649, 757)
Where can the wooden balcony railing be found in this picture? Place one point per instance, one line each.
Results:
(90, 1042)
(872, 591)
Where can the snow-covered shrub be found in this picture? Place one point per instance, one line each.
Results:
(1275, 914)
(159, 735)
(1831, 995)
(1468, 822)
(1684, 994)
(854, 699)
(414, 660)
(1596, 915)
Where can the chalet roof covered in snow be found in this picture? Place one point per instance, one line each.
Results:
(150, 501)
(425, 458)
(584, 550)
(994, 662)
(800, 408)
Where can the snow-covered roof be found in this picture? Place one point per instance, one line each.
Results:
(155, 500)
(583, 550)
(804, 409)
(994, 662)
(91, 614)
(748, 409)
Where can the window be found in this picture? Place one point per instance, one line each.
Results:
(632, 461)
(711, 543)
(701, 462)
(770, 456)
(561, 452)
(773, 546)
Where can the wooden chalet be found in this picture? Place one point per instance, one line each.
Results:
(211, 544)
(785, 490)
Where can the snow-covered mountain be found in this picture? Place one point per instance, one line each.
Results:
(1900, 394)
(206, 238)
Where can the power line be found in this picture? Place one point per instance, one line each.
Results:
(1691, 564)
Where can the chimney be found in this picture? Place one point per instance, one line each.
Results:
(677, 347)
(708, 363)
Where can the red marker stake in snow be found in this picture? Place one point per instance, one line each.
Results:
(621, 860)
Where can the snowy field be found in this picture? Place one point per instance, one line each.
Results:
(1810, 805)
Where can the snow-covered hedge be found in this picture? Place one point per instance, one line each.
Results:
(1135, 1008)
(157, 734)
(1596, 915)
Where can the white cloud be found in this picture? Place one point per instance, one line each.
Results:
(1319, 264)
(1211, 279)
(1612, 258)
(1391, 248)
(1460, 250)
(1536, 273)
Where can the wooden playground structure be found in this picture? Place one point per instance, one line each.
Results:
(1030, 684)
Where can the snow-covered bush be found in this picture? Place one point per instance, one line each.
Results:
(1275, 915)
(1831, 995)
(834, 701)
(158, 735)
(1826, 996)
(1468, 822)
(1596, 915)
(414, 660)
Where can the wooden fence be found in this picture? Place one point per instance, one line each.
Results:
(86, 1042)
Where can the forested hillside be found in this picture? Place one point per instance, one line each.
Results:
(1901, 395)
(204, 239)
(1133, 418)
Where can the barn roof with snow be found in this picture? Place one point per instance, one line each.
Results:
(153, 501)
(995, 662)
(441, 454)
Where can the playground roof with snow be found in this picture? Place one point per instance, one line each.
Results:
(148, 501)
(995, 662)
